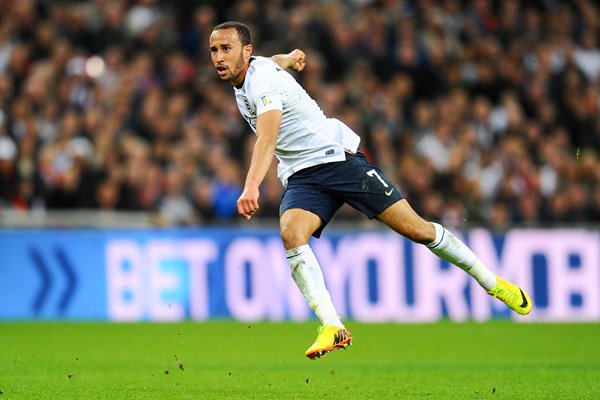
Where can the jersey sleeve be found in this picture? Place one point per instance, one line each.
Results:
(265, 92)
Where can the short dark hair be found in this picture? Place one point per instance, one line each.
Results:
(242, 30)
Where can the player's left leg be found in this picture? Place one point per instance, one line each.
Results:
(367, 189)
(404, 220)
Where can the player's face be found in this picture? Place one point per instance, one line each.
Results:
(229, 56)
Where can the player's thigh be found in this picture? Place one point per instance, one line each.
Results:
(403, 219)
(305, 194)
(363, 186)
(297, 226)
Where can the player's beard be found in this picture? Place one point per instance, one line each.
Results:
(237, 70)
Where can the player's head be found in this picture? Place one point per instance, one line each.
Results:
(230, 50)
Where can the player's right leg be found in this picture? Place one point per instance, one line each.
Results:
(297, 226)
(404, 220)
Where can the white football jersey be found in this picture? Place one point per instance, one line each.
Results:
(306, 137)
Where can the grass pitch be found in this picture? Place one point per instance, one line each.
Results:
(230, 360)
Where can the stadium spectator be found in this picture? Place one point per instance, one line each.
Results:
(507, 94)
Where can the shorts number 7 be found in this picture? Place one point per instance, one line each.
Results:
(373, 173)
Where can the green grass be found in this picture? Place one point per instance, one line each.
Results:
(229, 360)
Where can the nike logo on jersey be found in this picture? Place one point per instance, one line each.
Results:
(278, 69)
(389, 193)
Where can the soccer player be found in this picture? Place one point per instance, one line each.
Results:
(321, 167)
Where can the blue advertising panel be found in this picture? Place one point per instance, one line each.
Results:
(200, 274)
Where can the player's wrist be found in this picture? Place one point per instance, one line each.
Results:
(251, 184)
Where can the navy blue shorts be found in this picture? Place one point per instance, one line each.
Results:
(324, 188)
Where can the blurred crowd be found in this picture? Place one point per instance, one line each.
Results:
(483, 112)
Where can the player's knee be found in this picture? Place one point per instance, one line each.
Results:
(423, 233)
(292, 236)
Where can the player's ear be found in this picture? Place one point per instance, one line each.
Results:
(247, 51)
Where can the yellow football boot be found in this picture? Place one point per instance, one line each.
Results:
(330, 338)
(512, 295)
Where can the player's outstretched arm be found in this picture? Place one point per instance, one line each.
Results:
(294, 60)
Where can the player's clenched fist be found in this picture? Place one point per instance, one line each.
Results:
(247, 203)
(298, 60)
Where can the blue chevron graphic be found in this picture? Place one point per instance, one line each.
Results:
(47, 281)
(69, 272)
(42, 268)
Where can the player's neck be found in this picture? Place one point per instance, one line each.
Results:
(239, 85)
(243, 75)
